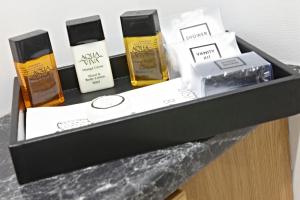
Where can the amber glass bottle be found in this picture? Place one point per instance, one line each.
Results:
(144, 50)
(36, 69)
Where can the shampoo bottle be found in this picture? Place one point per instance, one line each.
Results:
(144, 48)
(90, 54)
(36, 69)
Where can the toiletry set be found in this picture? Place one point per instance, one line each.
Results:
(36, 67)
(183, 78)
(195, 46)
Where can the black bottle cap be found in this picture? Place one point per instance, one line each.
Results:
(85, 30)
(140, 23)
(30, 46)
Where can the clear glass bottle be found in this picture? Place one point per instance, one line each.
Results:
(144, 49)
(36, 69)
(90, 54)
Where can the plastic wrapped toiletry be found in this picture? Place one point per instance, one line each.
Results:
(216, 47)
(229, 74)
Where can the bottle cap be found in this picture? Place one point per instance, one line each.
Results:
(85, 30)
(29, 46)
(140, 23)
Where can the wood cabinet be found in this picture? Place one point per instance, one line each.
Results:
(255, 168)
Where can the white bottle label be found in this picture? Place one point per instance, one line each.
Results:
(92, 66)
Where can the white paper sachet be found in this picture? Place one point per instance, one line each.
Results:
(201, 51)
(197, 24)
(193, 25)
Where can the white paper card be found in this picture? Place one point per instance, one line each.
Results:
(47, 120)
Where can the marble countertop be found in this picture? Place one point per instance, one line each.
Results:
(153, 175)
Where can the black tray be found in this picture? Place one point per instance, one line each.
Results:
(198, 119)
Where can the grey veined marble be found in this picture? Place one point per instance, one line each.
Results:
(153, 175)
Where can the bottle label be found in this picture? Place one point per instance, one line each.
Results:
(145, 57)
(41, 80)
(205, 53)
(92, 66)
(195, 32)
